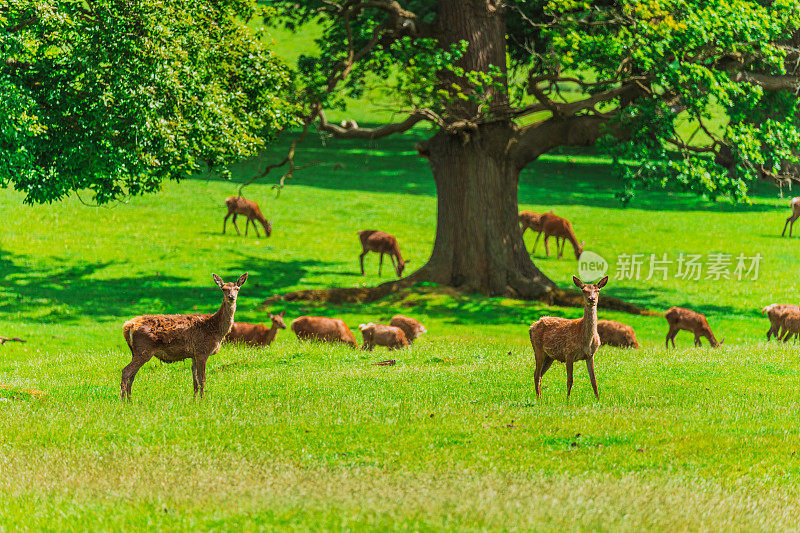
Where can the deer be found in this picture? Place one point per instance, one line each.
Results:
(680, 318)
(560, 228)
(242, 206)
(382, 243)
(776, 314)
(532, 221)
(172, 338)
(323, 328)
(412, 327)
(380, 335)
(795, 204)
(568, 340)
(613, 333)
(256, 334)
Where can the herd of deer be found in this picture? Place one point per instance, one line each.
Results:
(173, 338)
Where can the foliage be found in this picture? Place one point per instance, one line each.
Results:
(115, 96)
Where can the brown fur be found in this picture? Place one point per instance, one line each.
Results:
(322, 328)
(411, 327)
(775, 313)
(242, 206)
(534, 222)
(256, 334)
(566, 340)
(173, 338)
(795, 203)
(617, 334)
(560, 228)
(382, 243)
(790, 322)
(680, 318)
(380, 335)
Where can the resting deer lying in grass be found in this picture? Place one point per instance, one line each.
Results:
(776, 314)
(256, 334)
(680, 318)
(566, 340)
(323, 328)
(617, 334)
(412, 327)
(532, 221)
(382, 243)
(173, 338)
(381, 335)
(242, 206)
(560, 228)
(795, 203)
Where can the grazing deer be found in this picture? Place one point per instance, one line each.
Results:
(173, 338)
(242, 206)
(776, 314)
(411, 327)
(382, 243)
(560, 228)
(566, 340)
(617, 334)
(533, 221)
(680, 318)
(325, 329)
(256, 334)
(378, 334)
(795, 203)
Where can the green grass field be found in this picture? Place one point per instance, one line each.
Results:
(452, 437)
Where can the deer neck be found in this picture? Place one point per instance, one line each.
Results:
(589, 325)
(272, 332)
(222, 320)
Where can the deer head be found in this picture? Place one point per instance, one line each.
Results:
(277, 320)
(230, 290)
(591, 292)
(401, 265)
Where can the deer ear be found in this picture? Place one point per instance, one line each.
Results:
(282, 313)
(217, 280)
(578, 283)
(602, 283)
(241, 280)
(270, 316)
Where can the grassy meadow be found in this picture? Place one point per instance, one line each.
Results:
(301, 436)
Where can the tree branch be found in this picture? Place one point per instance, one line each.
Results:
(383, 131)
(532, 141)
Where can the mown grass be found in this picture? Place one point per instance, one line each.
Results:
(452, 437)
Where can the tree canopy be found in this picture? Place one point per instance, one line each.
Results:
(633, 74)
(114, 96)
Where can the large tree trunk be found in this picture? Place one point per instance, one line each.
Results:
(479, 245)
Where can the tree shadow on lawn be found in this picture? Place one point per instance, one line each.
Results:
(65, 292)
(567, 176)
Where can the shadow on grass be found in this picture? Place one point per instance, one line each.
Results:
(66, 292)
(566, 176)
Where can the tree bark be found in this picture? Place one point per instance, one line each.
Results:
(479, 246)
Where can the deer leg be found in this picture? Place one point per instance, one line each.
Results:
(533, 250)
(697, 341)
(546, 248)
(234, 224)
(255, 228)
(590, 369)
(569, 375)
(380, 265)
(671, 337)
(791, 224)
(361, 259)
(129, 373)
(560, 247)
(783, 233)
(246, 226)
(225, 221)
(200, 376)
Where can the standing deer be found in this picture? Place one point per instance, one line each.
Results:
(382, 243)
(173, 338)
(256, 334)
(776, 314)
(242, 206)
(533, 221)
(568, 340)
(680, 318)
(795, 203)
(560, 228)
